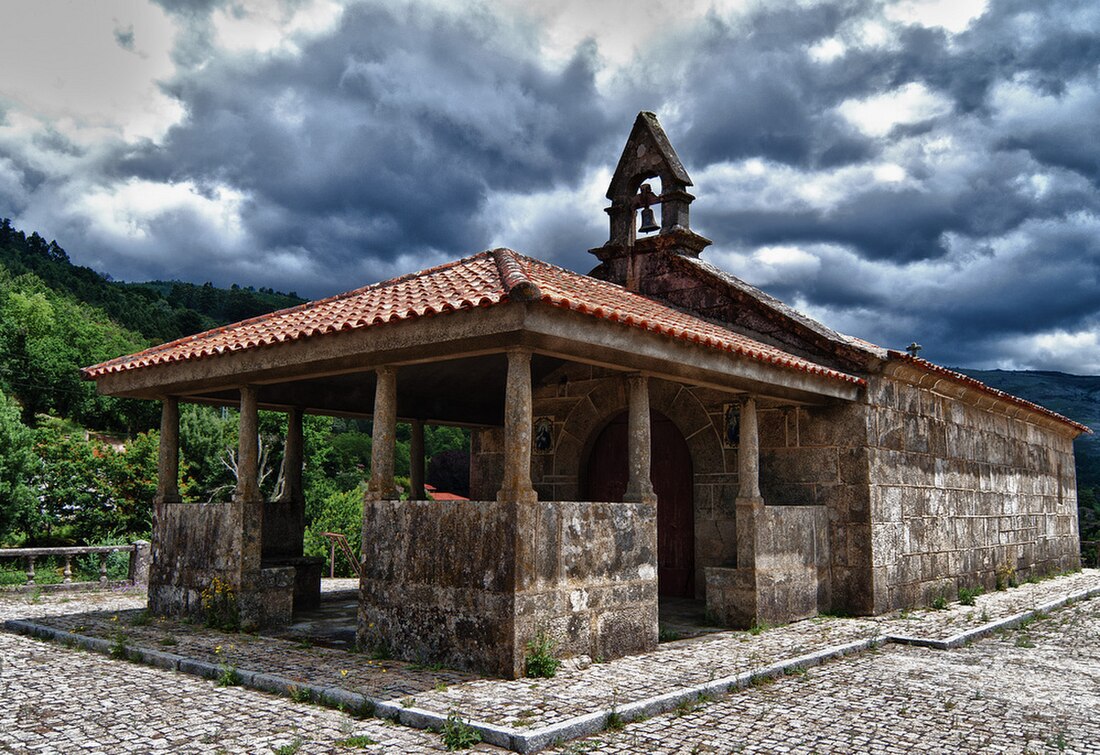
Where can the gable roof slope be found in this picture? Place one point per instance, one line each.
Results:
(482, 280)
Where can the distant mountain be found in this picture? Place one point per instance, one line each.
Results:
(159, 310)
(1073, 396)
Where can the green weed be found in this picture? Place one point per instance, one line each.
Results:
(458, 734)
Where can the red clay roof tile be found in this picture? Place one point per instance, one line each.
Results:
(483, 280)
(978, 385)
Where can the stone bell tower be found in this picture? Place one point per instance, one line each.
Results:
(627, 258)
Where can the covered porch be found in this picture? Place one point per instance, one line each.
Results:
(464, 583)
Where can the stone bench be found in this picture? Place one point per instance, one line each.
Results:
(307, 578)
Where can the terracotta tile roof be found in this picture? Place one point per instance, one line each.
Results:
(483, 280)
(981, 387)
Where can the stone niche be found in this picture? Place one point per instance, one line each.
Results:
(470, 583)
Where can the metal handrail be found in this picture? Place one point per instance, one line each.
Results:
(337, 539)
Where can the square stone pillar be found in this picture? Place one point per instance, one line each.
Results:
(416, 461)
(639, 486)
(383, 437)
(517, 429)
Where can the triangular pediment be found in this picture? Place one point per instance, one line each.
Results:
(647, 153)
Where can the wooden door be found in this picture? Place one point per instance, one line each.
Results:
(672, 481)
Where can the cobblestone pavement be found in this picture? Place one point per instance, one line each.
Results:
(992, 695)
(1034, 689)
(57, 700)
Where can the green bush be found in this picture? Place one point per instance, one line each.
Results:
(339, 512)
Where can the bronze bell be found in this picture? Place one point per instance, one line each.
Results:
(649, 223)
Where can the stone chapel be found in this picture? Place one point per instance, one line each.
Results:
(657, 428)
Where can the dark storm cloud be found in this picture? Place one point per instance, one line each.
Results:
(383, 138)
(752, 90)
(411, 134)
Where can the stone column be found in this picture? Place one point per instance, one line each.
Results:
(517, 429)
(383, 437)
(416, 461)
(168, 463)
(749, 503)
(292, 457)
(639, 486)
(248, 447)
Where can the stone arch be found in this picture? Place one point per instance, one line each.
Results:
(609, 397)
(714, 482)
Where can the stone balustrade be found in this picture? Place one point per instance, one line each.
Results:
(139, 560)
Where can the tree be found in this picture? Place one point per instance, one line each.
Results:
(132, 478)
(17, 466)
(75, 500)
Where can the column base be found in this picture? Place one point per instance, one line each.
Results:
(520, 495)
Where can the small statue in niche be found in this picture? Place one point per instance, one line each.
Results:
(731, 434)
(544, 435)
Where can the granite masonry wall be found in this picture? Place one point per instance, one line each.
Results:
(580, 401)
(470, 583)
(195, 542)
(959, 492)
(817, 457)
(791, 577)
(909, 494)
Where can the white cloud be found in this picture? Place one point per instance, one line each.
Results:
(63, 64)
(127, 210)
(264, 26)
(1074, 351)
(827, 50)
(953, 15)
(878, 114)
(772, 187)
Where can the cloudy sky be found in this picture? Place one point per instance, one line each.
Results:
(917, 170)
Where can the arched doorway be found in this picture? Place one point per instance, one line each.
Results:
(606, 478)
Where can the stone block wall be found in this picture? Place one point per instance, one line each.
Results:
(195, 542)
(817, 457)
(283, 528)
(470, 583)
(958, 492)
(791, 577)
(581, 400)
(593, 585)
(192, 544)
(792, 563)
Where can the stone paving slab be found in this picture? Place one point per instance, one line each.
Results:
(1034, 689)
(531, 713)
(57, 700)
(941, 627)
